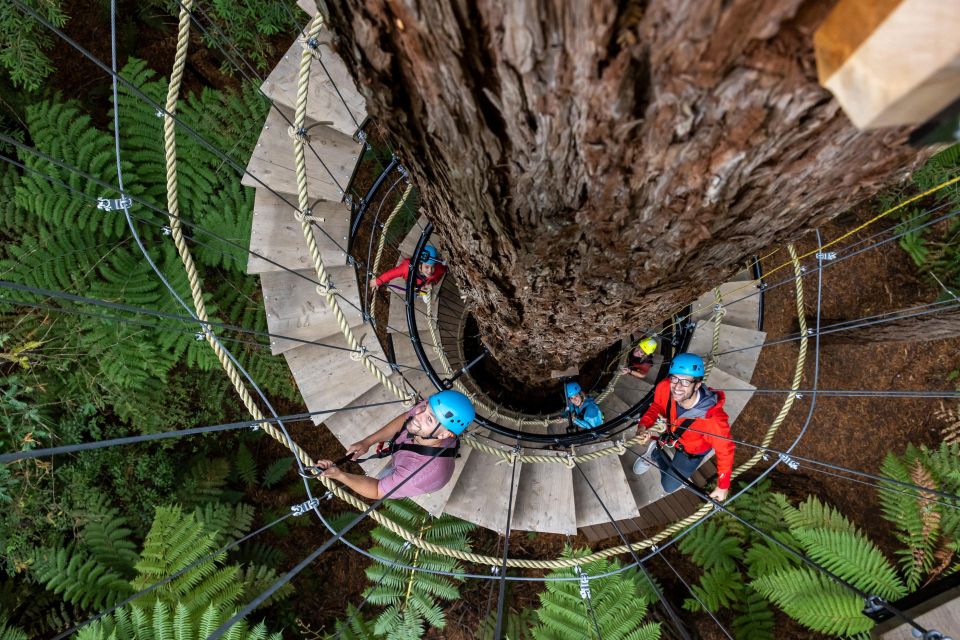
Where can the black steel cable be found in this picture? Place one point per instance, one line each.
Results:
(501, 596)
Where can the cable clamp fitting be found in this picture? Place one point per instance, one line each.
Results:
(304, 507)
(873, 605)
(410, 400)
(404, 171)
(620, 447)
(166, 230)
(203, 334)
(790, 462)
(108, 204)
(584, 582)
(826, 255)
(160, 113)
(360, 353)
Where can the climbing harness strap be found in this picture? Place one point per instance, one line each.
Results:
(671, 437)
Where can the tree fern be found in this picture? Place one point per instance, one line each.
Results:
(719, 587)
(171, 622)
(9, 632)
(618, 604)
(815, 601)
(203, 481)
(754, 620)
(853, 558)
(107, 536)
(79, 578)
(412, 598)
(228, 522)
(275, 471)
(353, 628)
(711, 546)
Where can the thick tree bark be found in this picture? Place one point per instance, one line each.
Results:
(590, 166)
(940, 325)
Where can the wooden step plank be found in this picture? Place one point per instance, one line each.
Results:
(276, 234)
(646, 488)
(328, 378)
(732, 338)
(295, 308)
(736, 400)
(741, 310)
(612, 406)
(310, 6)
(631, 390)
(434, 503)
(272, 161)
(482, 492)
(608, 479)
(545, 498)
(409, 242)
(351, 426)
(323, 102)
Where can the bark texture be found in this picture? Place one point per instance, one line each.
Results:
(591, 166)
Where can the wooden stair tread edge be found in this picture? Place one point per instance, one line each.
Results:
(740, 304)
(351, 426)
(608, 479)
(646, 488)
(545, 501)
(482, 492)
(272, 159)
(735, 400)
(740, 363)
(328, 379)
(294, 308)
(324, 103)
(276, 234)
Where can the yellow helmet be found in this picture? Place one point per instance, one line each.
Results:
(648, 345)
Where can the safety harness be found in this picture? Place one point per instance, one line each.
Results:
(671, 437)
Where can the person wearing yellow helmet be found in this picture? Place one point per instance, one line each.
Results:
(641, 358)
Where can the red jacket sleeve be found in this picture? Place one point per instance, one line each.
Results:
(723, 446)
(657, 408)
(399, 271)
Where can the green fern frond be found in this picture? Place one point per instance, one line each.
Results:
(79, 578)
(203, 481)
(107, 537)
(711, 546)
(275, 472)
(754, 619)
(719, 588)
(227, 522)
(811, 513)
(816, 602)
(246, 465)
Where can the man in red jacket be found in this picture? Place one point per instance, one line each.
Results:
(696, 423)
(430, 272)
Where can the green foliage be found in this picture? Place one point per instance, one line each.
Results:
(412, 599)
(79, 578)
(247, 26)
(619, 604)
(815, 601)
(203, 481)
(923, 527)
(163, 621)
(517, 625)
(24, 42)
(711, 546)
(719, 587)
(754, 619)
(353, 628)
(275, 472)
(10, 633)
(935, 250)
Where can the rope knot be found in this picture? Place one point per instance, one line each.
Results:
(299, 134)
(620, 447)
(327, 288)
(313, 45)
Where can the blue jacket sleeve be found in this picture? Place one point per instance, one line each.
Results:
(592, 416)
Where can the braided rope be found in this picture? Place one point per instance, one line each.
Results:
(383, 243)
(718, 313)
(303, 204)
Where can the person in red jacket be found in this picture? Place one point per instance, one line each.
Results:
(430, 273)
(696, 423)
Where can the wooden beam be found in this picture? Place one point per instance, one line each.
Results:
(890, 62)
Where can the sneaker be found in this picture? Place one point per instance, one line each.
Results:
(641, 466)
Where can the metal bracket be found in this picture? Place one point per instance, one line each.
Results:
(304, 507)
(826, 255)
(873, 606)
(107, 204)
(790, 462)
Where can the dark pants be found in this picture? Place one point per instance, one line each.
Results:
(682, 465)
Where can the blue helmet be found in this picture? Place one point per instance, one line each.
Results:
(453, 409)
(429, 255)
(687, 364)
(571, 389)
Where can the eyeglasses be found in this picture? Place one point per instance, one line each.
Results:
(683, 382)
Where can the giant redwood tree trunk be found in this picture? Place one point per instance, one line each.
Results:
(591, 165)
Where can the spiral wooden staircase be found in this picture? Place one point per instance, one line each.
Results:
(549, 498)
